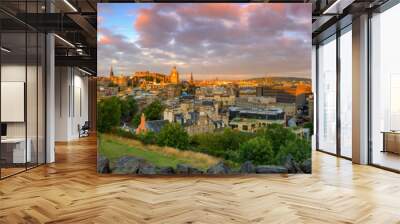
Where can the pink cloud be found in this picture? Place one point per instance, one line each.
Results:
(154, 28)
(277, 7)
(105, 40)
(212, 10)
(214, 38)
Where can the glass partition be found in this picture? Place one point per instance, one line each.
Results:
(41, 96)
(327, 96)
(22, 87)
(346, 93)
(31, 97)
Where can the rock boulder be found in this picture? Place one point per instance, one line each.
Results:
(128, 165)
(271, 169)
(103, 165)
(247, 167)
(219, 168)
(306, 166)
(166, 170)
(147, 170)
(291, 165)
(185, 169)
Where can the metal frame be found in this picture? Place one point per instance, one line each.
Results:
(316, 100)
(369, 79)
(338, 98)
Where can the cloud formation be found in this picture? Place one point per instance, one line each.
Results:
(225, 39)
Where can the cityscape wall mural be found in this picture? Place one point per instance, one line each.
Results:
(204, 89)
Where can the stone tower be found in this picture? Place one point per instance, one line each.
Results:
(174, 76)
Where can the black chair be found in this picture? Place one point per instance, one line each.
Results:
(84, 130)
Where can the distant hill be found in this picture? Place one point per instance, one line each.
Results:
(277, 78)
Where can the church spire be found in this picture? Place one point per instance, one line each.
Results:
(191, 78)
(142, 126)
(111, 71)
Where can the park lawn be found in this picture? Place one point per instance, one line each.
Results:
(113, 147)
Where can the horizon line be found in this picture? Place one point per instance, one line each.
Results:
(186, 76)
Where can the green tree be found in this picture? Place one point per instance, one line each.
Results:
(258, 150)
(109, 114)
(174, 135)
(277, 135)
(299, 148)
(111, 84)
(148, 137)
(153, 111)
(136, 120)
(310, 126)
(129, 108)
(223, 144)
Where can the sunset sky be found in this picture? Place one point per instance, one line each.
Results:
(227, 40)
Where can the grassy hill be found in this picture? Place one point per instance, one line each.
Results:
(113, 147)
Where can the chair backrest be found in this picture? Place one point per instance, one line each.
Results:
(85, 126)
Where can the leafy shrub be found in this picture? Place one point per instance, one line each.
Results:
(148, 137)
(277, 135)
(173, 135)
(269, 145)
(223, 144)
(300, 149)
(129, 108)
(153, 111)
(258, 150)
(310, 126)
(123, 133)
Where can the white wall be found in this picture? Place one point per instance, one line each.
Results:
(33, 126)
(71, 103)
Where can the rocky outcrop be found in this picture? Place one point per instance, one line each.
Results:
(128, 165)
(291, 165)
(247, 167)
(134, 165)
(166, 170)
(185, 169)
(306, 166)
(264, 169)
(147, 170)
(103, 165)
(219, 168)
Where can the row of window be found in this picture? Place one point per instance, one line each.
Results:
(334, 89)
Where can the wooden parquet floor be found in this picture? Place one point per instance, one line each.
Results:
(70, 191)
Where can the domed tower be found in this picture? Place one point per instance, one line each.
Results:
(174, 76)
